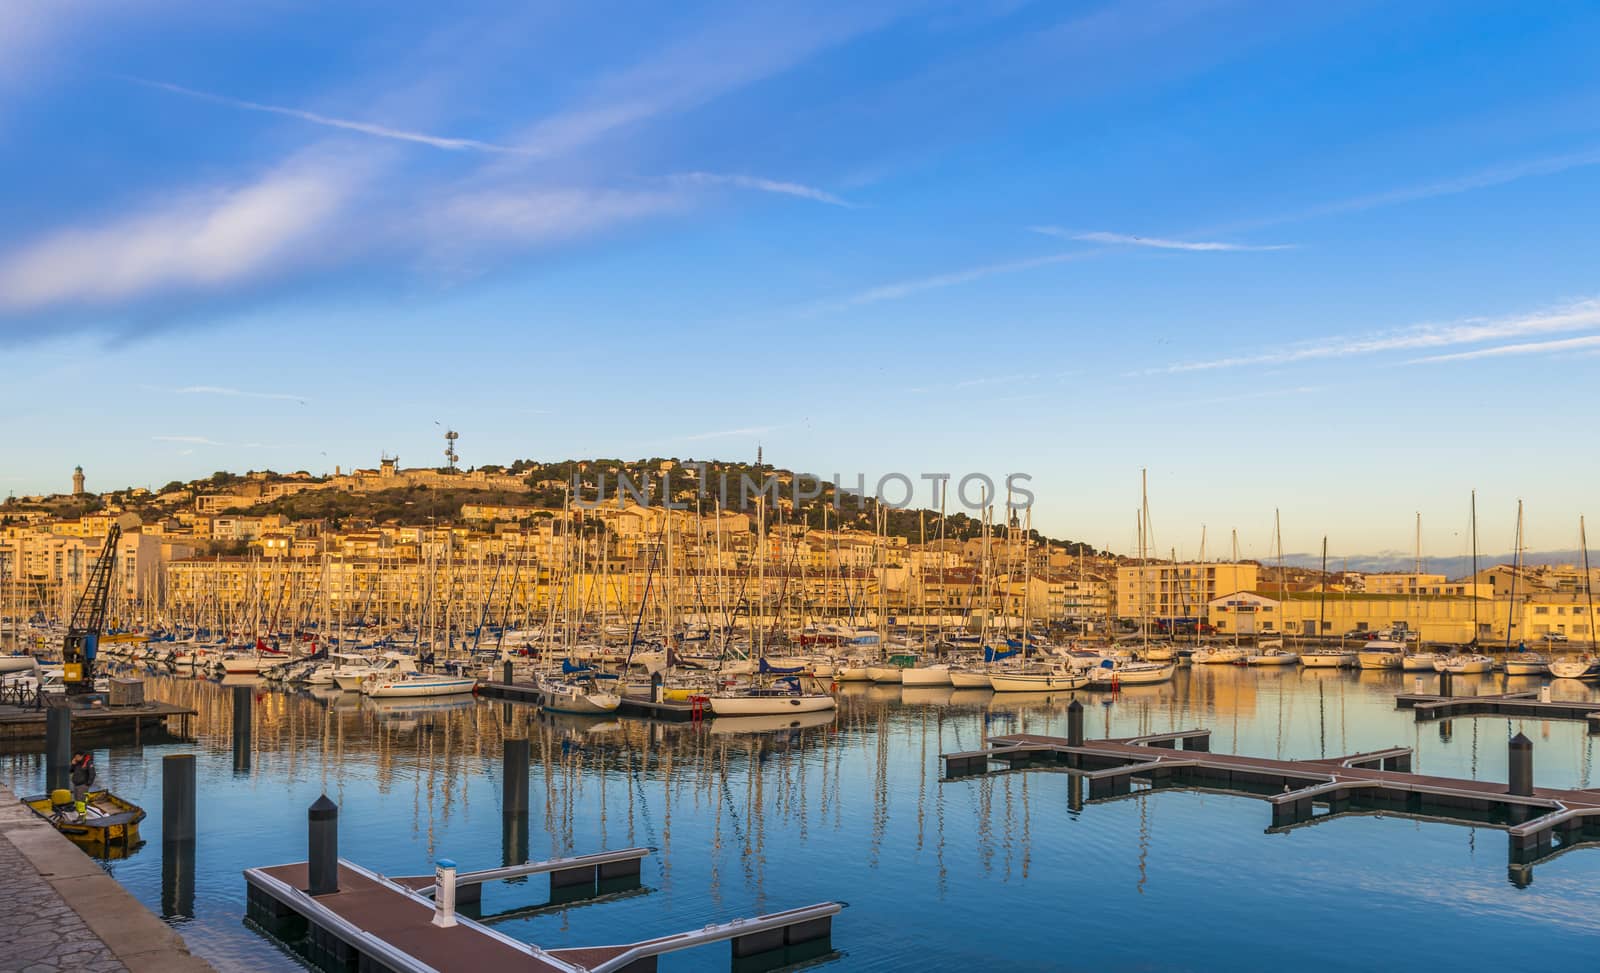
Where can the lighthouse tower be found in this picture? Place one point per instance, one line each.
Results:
(77, 481)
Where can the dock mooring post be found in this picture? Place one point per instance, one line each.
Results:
(1521, 766)
(1074, 724)
(505, 670)
(1445, 683)
(177, 798)
(243, 715)
(177, 836)
(515, 775)
(58, 747)
(514, 804)
(322, 846)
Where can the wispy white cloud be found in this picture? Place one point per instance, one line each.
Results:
(328, 121)
(1482, 179)
(761, 185)
(1156, 242)
(237, 393)
(204, 441)
(1574, 316)
(917, 285)
(193, 440)
(727, 433)
(199, 239)
(752, 42)
(536, 215)
(1261, 394)
(1523, 348)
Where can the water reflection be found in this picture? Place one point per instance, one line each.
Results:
(757, 814)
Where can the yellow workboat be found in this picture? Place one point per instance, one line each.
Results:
(110, 825)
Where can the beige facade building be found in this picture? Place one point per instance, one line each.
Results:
(1165, 591)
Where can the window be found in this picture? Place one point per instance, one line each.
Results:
(1541, 610)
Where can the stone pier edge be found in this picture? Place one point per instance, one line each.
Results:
(134, 935)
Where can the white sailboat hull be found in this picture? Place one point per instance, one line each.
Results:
(1217, 657)
(1464, 665)
(405, 688)
(1035, 682)
(770, 705)
(925, 676)
(969, 679)
(1135, 675)
(1273, 658)
(1327, 660)
(1526, 668)
(1575, 669)
(884, 674)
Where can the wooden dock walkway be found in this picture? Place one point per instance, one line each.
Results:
(1540, 821)
(1428, 706)
(27, 723)
(375, 923)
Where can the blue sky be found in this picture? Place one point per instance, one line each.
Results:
(1334, 259)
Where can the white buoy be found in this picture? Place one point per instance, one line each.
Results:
(1544, 693)
(1419, 685)
(444, 893)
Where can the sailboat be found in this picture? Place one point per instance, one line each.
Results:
(783, 691)
(1466, 663)
(1417, 661)
(579, 691)
(1583, 667)
(1323, 658)
(1270, 652)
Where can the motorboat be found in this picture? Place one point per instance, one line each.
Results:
(1419, 662)
(1272, 655)
(1217, 655)
(395, 685)
(1328, 659)
(352, 676)
(1381, 654)
(1160, 652)
(1463, 664)
(108, 828)
(1114, 674)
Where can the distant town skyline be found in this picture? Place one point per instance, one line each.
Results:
(1332, 262)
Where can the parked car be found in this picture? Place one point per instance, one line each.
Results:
(1555, 636)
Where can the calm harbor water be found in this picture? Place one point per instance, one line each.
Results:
(959, 875)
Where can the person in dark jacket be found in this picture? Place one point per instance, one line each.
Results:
(83, 775)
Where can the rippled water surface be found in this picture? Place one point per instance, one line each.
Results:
(968, 874)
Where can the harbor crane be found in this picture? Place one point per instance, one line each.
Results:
(81, 645)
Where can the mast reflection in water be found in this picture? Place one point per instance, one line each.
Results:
(760, 815)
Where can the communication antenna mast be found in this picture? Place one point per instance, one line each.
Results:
(450, 455)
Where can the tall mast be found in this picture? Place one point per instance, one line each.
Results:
(1474, 639)
(1588, 579)
(1516, 571)
(1322, 602)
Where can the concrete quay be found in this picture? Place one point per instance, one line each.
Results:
(59, 910)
